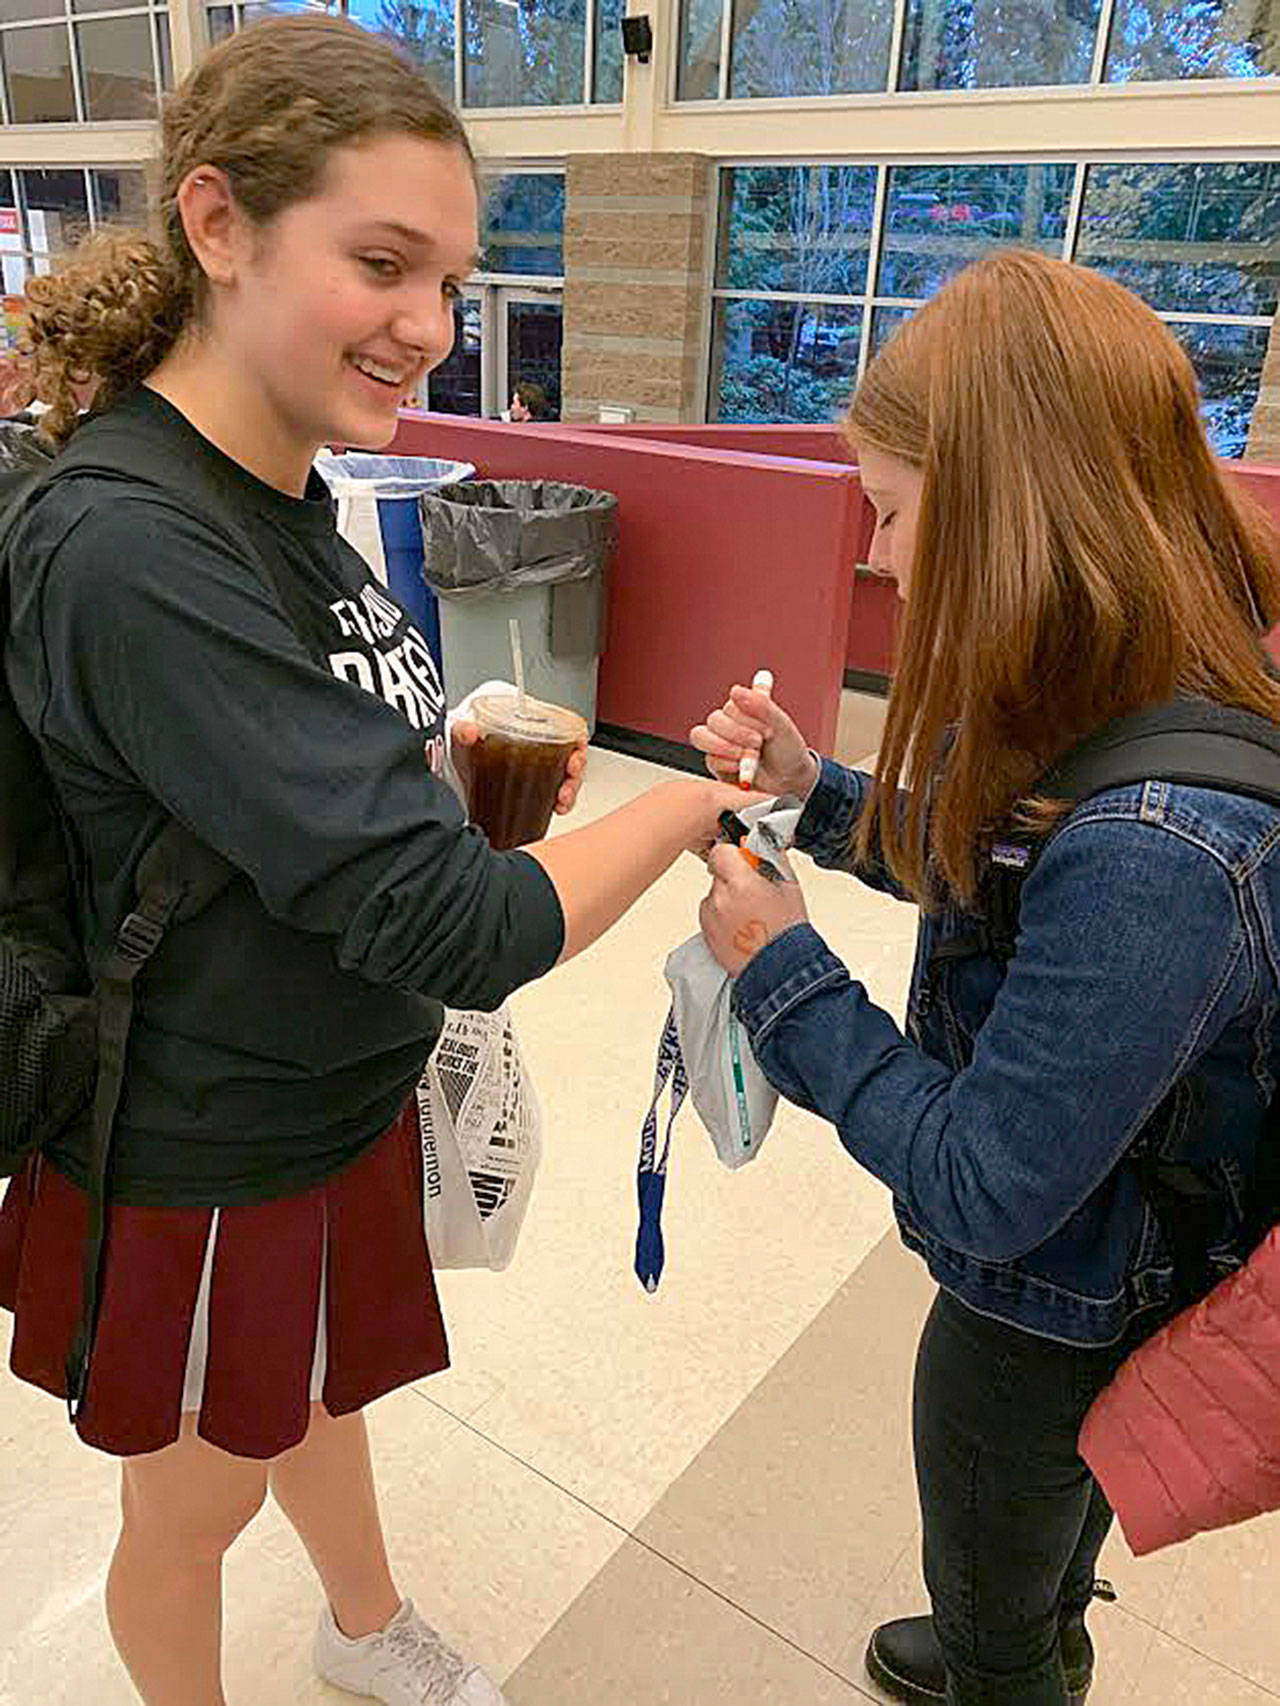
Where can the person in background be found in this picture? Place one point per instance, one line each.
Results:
(1068, 551)
(529, 402)
(200, 646)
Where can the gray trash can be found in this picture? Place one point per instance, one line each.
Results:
(533, 549)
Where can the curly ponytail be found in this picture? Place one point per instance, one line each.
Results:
(266, 106)
(102, 324)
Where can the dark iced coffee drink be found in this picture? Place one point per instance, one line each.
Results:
(519, 765)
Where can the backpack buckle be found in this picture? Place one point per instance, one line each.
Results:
(139, 936)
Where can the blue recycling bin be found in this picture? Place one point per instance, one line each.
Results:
(398, 482)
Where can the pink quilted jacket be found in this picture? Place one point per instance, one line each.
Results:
(1187, 1436)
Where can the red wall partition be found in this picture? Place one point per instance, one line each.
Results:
(874, 615)
(739, 545)
(810, 443)
(728, 563)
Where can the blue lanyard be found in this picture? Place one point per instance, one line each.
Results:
(651, 1176)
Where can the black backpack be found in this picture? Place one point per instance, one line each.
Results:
(1198, 744)
(63, 1030)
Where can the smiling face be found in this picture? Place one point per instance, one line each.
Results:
(344, 303)
(895, 489)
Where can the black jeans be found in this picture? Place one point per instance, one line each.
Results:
(1013, 1520)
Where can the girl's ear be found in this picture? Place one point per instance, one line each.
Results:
(212, 222)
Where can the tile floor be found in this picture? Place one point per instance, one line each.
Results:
(614, 1499)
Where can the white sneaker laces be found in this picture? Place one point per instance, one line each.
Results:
(424, 1657)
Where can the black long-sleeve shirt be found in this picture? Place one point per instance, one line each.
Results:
(277, 1033)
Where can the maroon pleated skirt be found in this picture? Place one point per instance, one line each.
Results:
(258, 1304)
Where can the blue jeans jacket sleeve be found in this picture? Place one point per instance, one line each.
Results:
(825, 831)
(1126, 968)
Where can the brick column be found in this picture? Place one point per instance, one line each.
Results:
(1264, 430)
(635, 284)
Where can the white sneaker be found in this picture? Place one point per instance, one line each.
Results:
(405, 1664)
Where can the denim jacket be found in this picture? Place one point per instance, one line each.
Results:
(1137, 1015)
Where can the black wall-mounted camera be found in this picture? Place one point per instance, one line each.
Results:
(637, 37)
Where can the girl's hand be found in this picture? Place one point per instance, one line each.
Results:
(720, 797)
(744, 911)
(567, 798)
(464, 736)
(749, 721)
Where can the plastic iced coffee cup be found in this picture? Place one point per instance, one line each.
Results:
(519, 765)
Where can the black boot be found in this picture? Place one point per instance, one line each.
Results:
(905, 1660)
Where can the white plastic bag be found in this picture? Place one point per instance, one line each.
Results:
(732, 1097)
(481, 1141)
(704, 1052)
(358, 480)
(357, 517)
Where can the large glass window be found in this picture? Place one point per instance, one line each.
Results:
(117, 68)
(827, 47)
(1166, 39)
(515, 53)
(997, 44)
(809, 47)
(39, 86)
(810, 280)
(1201, 237)
(524, 224)
(425, 27)
(939, 218)
(698, 66)
(802, 229)
(785, 361)
(797, 233)
(44, 211)
(81, 67)
(55, 209)
(119, 197)
(1228, 362)
(521, 55)
(456, 386)
(608, 65)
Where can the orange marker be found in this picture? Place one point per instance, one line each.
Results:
(748, 764)
(734, 830)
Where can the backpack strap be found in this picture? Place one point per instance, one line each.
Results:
(112, 450)
(1191, 741)
(1199, 745)
(177, 878)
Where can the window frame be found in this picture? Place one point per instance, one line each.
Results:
(1097, 78)
(871, 299)
(152, 10)
(587, 105)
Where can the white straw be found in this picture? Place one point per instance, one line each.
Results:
(517, 656)
(748, 764)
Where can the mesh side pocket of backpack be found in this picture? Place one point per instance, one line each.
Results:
(48, 1059)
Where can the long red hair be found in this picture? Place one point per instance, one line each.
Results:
(1079, 551)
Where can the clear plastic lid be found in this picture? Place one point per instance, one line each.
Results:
(528, 719)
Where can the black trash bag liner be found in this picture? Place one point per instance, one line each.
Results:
(22, 449)
(488, 536)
